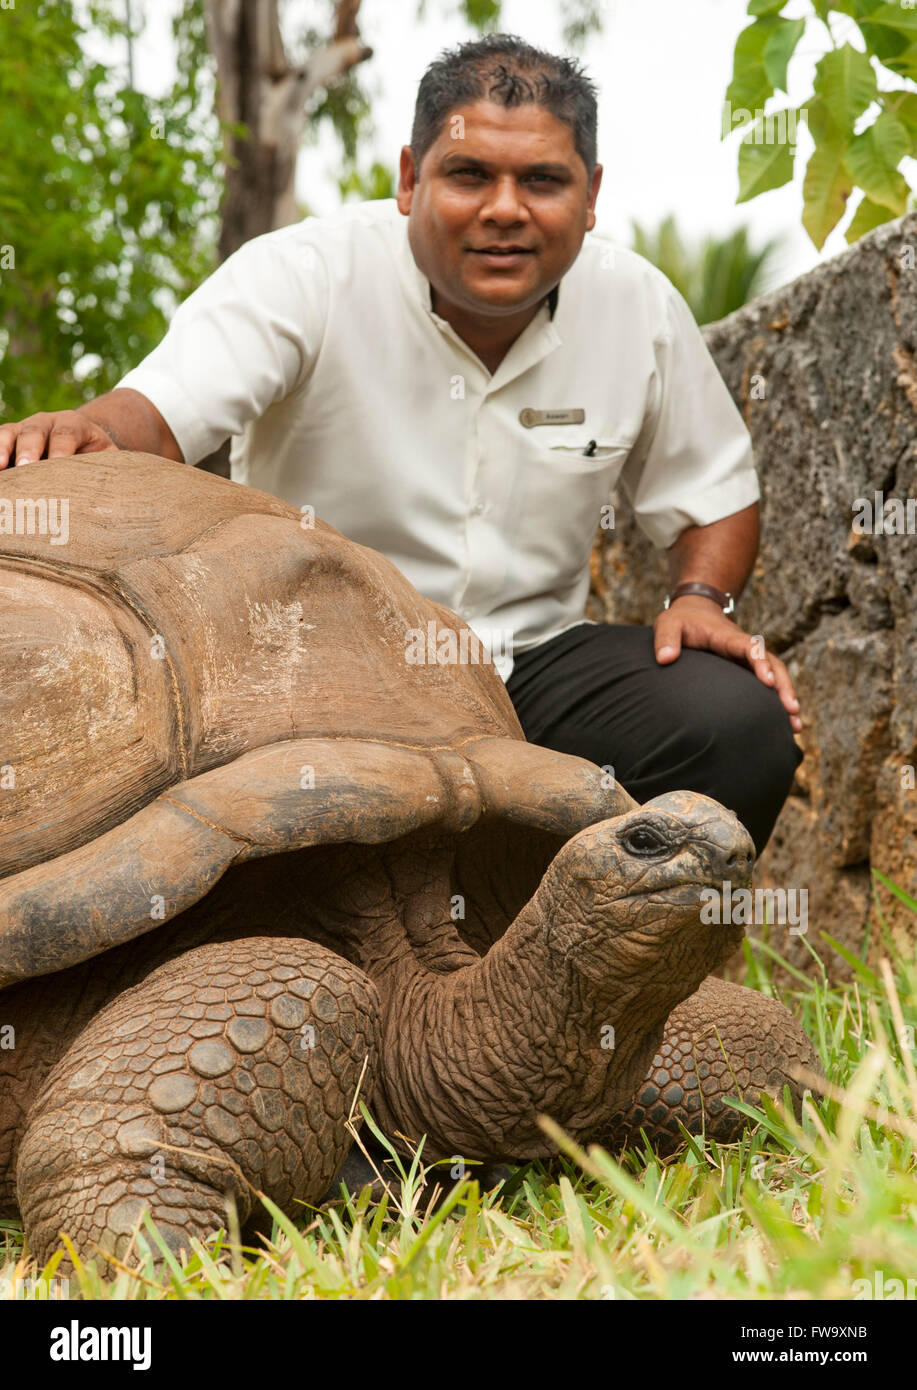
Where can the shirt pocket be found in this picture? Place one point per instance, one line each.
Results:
(558, 503)
(586, 455)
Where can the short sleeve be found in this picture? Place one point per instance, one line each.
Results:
(246, 338)
(692, 463)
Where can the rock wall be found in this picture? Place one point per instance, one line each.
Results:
(825, 375)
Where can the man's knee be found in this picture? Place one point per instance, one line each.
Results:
(748, 746)
(701, 724)
(778, 754)
(750, 727)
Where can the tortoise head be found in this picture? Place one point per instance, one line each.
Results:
(628, 893)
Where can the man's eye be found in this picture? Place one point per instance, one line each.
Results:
(546, 178)
(469, 173)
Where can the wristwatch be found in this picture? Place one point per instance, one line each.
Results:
(726, 601)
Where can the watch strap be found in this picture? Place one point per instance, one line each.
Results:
(725, 600)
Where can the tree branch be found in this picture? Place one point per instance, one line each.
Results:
(259, 89)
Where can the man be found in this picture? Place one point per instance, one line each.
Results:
(458, 380)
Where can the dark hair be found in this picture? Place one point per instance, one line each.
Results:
(506, 69)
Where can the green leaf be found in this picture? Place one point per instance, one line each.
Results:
(894, 17)
(873, 159)
(903, 105)
(582, 19)
(893, 888)
(779, 50)
(904, 63)
(891, 33)
(819, 121)
(846, 82)
(765, 6)
(867, 217)
(483, 14)
(750, 86)
(826, 187)
(862, 9)
(763, 166)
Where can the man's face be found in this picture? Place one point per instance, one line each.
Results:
(500, 207)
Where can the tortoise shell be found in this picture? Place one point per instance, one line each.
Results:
(187, 666)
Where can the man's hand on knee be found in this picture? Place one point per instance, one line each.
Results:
(699, 622)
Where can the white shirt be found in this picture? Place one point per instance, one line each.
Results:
(317, 349)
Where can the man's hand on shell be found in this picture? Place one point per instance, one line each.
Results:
(51, 434)
(699, 622)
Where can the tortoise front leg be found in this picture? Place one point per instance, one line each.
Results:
(723, 1041)
(231, 1068)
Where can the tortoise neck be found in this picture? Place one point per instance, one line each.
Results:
(473, 1057)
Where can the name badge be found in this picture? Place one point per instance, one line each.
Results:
(531, 418)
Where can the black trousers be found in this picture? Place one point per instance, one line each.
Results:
(703, 723)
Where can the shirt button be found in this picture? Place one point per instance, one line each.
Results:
(478, 509)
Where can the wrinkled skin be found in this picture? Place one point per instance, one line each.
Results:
(223, 1052)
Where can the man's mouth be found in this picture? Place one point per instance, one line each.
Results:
(502, 255)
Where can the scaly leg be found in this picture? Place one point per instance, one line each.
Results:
(724, 1040)
(231, 1067)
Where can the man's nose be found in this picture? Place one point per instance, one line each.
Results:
(503, 203)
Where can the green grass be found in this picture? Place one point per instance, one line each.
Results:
(792, 1211)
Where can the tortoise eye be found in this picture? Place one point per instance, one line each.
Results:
(645, 842)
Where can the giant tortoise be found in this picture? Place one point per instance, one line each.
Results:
(256, 861)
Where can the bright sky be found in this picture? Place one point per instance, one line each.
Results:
(662, 67)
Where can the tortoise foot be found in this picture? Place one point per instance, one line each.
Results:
(228, 1071)
(724, 1040)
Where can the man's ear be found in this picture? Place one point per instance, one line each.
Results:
(407, 179)
(595, 184)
